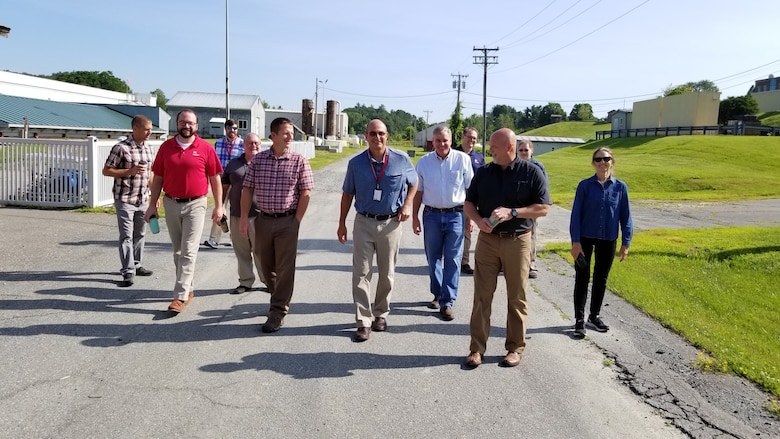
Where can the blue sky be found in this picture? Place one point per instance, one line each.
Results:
(608, 53)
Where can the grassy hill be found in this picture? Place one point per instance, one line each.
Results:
(770, 118)
(582, 130)
(675, 168)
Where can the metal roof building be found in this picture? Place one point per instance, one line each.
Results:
(66, 119)
(247, 110)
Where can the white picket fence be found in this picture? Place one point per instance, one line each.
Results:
(66, 173)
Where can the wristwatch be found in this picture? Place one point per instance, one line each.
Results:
(514, 213)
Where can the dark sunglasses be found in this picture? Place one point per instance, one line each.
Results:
(523, 150)
(377, 133)
(232, 128)
(600, 159)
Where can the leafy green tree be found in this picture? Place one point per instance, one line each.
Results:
(703, 85)
(545, 115)
(736, 106)
(105, 80)
(456, 122)
(581, 112)
(678, 90)
(162, 101)
(505, 121)
(410, 132)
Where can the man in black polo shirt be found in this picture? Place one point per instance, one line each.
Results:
(503, 199)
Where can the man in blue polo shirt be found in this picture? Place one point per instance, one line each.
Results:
(382, 181)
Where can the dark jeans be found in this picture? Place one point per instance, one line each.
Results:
(605, 255)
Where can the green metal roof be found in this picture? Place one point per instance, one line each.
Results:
(60, 115)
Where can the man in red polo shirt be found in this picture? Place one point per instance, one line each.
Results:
(184, 167)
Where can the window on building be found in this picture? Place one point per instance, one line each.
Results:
(242, 124)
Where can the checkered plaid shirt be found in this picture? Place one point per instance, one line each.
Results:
(124, 155)
(278, 182)
(227, 150)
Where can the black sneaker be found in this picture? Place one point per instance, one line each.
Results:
(127, 280)
(597, 324)
(579, 329)
(466, 269)
(141, 271)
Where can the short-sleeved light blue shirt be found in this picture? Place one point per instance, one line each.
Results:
(398, 177)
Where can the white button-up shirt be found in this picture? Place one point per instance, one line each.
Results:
(443, 181)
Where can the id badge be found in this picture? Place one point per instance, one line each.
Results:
(377, 194)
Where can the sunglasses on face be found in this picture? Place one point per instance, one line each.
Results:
(600, 159)
(377, 133)
(523, 150)
(232, 128)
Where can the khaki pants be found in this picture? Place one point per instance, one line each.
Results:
(370, 237)
(247, 259)
(491, 254)
(216, 230)
(185, 227)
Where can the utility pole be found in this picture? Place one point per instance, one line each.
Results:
(484, 59)
(316, 90)
(227, 64)
(427, 113)
(459, 83)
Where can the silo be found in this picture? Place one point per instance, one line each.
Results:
(331, 116)
(307, 117)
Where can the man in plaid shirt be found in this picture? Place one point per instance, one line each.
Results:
(228, 147)
(280, 180)
(129, 163)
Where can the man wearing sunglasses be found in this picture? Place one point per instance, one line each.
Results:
(229, 147)
(526, 152)
(383, 182)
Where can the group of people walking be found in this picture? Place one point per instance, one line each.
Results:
(261, 197)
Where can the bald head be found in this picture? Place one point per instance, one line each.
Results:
(502, 146)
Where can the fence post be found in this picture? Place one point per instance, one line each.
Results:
(95, 171)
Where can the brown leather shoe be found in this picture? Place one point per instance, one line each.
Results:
(512, 359)
(272, 324)
(379, 325)
(362, 333)
(434, 304)
(447, 313)
(473, 360)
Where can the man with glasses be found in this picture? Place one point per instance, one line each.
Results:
(184, 168)
(229, 147)
(243, 247)
(467, 142)
(526, 152)
(382, 181)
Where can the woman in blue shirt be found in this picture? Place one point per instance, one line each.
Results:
(600, 208)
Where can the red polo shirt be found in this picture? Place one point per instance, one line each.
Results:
(185, 172)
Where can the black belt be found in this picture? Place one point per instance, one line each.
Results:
(277, 215)
(512, 234)
(447, 210)
(379, 217)
(183, 200)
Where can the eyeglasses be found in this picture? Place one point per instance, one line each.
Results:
(377, 133)
(600, 159)
(185, 123)
(232, 128)
(524, 150)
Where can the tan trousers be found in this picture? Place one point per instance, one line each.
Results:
(491, 254)
(185, 227)
(247, 259)
(370, 237)
(464, 260)
(216, 230)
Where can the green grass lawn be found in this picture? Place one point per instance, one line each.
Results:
(700, 168)
(770, 118)
(581, 130)
(716, 287)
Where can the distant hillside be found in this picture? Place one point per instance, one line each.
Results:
(582, 130)
(676, 168)
(770, 119)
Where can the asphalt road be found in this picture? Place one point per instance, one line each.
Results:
(83, 358)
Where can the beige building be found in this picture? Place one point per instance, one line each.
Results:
(688, 109)
(767, 100)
